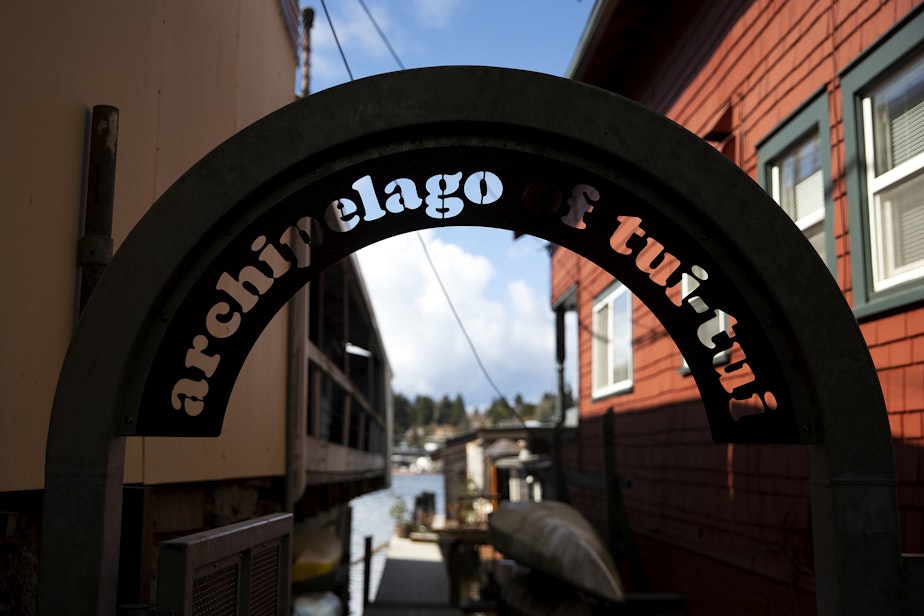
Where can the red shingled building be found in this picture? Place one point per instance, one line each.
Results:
(822, 103)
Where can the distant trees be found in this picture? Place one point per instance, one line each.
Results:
(500, 413)
(403, 416)
(416, 419)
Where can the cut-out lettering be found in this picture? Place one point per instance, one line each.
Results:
(189, 396)
(667, 263)
(403, 195)
(440, 202)
(583, 196)
(483, 188)
(196, 357)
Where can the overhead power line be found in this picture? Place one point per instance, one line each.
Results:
(333, 30)
(382, 34)
(423, 243)
(471, 344)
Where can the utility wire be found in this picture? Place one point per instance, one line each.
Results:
(337, 40)
(423, 242)
(381, 34)
(468, 338)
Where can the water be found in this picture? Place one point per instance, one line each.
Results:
(370, 517)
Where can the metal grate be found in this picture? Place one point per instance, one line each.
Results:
(215, 593)
(264, 582)
(242, 568)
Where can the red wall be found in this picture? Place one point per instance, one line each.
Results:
(728, 526)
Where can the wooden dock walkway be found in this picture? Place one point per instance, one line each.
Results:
(415, 581)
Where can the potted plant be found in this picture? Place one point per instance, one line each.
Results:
(398, 513)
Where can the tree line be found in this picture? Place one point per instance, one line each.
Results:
(416, 419)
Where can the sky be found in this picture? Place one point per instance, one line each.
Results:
(498, 285)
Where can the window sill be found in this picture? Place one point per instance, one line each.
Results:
(612, 390)
(891, 300)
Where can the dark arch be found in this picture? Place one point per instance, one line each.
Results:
(218, 255)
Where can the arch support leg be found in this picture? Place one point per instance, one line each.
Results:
(858, 562)
(81, 529)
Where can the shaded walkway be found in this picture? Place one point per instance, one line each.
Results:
(415, 581)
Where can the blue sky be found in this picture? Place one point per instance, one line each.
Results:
(499, 286)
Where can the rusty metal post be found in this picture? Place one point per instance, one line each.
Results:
(96, 244)
(84, 465)
(307, 22)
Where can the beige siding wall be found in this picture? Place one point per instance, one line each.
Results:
(185, 76)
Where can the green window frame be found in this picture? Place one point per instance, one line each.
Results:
(885, 188)
(611, 347)
(794, 166)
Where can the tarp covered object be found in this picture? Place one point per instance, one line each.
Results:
(554, 538)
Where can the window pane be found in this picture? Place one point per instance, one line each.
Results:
(611, 367)
(786, 198)
(601, 343)
(799, 189)
(898, 118)
(801, 182)
(816, 237)
(622, 342)
(901, 213)
(809, 196)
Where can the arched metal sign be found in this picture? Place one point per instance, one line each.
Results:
(217, 256)
(643, 239)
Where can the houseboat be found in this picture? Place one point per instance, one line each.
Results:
(106, 105)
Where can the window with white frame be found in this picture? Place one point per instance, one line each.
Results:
(883, 103)
(797, 184)
(612, 341)
(893, 139)
(795, 168)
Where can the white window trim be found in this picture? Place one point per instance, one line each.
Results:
(606, 299)
(881, 238)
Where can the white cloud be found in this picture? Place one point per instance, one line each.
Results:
(427, 350)
(435, 13)
(526, 247)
